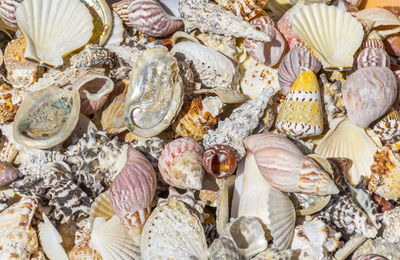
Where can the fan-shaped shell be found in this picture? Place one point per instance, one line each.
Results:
(223, 249)
(134, 187)
(155, 93)
(368, 94)
(248, 9)
(46, 117)
(51, 34)
(101, 207)
(331, 32)
(7, 12)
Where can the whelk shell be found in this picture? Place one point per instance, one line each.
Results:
(220, 161)
(248, 9)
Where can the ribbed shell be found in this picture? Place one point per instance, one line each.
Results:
(7, 12)
(388, 127)
(101, 207)
(247, 9)
(373, 57)
(134, 187)
(223, 249)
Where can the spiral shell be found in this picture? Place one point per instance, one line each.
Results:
(220, 161)
(7, 12)
(373, 53)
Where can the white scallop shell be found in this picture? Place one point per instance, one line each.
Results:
(101, 207)
(111, 240)
(51, 33)
(331, 32)
(51, 240)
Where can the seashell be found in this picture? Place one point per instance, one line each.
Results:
(46, 118)
(149, 118)
(273, 253)
(290, 67)
(224, 249)
(117, 32)
(388, 127)
(246, 9)
(385, 172)
(284, 24)
(317, 25)
(215, 19)
(285, 167)
(225, 45)
(103, 14)
(370, 257)
(391, 220)
(373, 53)
(197, 117)
(378, 246)
(20, 72)
(180, 164)
(7, 151)
(268, 53)
(51, 240)
(93, 56)
(18, 215)
(276, 211)
(134, 187)
(18, 244)
(101, 208)
(374, 40)
(94, 90)
(7, 12)
(83, 253)
(385, 22)
(8, 108)
(392, 45)
(383, 205)
(7, 174)
(150, 18)
(75, 31)
(224, 203)
(219, 160)
(363, 96)
(173, 231)
(301, 113)
(111, 240)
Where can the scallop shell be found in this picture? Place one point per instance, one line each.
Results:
(102, 16)
(384, 21)
(388, 127)
(219, 161)
(83, 253)
(101, 207)
(345, 139)
(63, 33)
(46, 118)
(223, 249)
(173, 231)
(301, 113)
(8, 108)
(111, 240)
(276, 211)
(155, 93)
(244, 8)
(7, 12)
(331, 32)
(364, 97)
(51, 240)
(180, 164)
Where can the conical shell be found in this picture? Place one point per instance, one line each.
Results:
(101, 207)
(63, 32)
(223, 249)
(51, 240)
(346, 140)
(247, 9)
(19, 215)
(301, 113)
(111, 240)
(331, 32)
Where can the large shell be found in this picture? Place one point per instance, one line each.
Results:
(155, 93)
(173, 231)
(51, 240)
(276, 211)
(8, 108)
(46, 118)
(7, 12)
(333, 33)
(385, 22)
(219, 161)
(223, 249)
(101, 207)
(102, 17)
(180, 164)
(285, 167)
(290, 67)
(345, 139)
(301, 114)
(388, 127)
(63, 32)
(247, 9)
(368, 93)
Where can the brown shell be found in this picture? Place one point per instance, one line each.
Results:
(248, 9)
(7, 174)
(219, 161)
(7, 108)
(83, 253)
(392, 45)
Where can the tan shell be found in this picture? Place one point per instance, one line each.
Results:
(385, 22)
(8, 108)
(7, 151)
(83, 253)
(248, 9)
(101, 207)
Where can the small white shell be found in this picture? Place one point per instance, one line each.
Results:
(51, 240)
(117, 32)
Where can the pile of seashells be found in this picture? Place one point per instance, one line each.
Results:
(200, 129)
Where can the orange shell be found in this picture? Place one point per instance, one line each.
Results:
(7, 108)
(378, 3)
(83, 253)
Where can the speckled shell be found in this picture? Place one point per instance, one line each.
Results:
(223, 249)
(7, 174)
(8, 107)
(173, 231)
(247, 9)
(101, 207)
(301, 114)
(370, 257)
(197, 117)
(285, 167)
(83, 253)
(180, 164)
(391, 219)
(364, 97)
(219, 161)
(388, 127)
(155, 93)
(290, 67)
(134, 187)
(7, 12)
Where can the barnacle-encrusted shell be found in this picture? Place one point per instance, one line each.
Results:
(368, 93)
(223, 249)
(219, 160)
(46, 118)
(8, 108)
(248, 9)
(388, 127)
(40, 20)
(7, 12)
(155, 93)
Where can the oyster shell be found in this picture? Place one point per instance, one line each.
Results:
(155, 93)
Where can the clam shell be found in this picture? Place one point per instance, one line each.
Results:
(51, 240)
(223, 249)
(331, 32)
(101, 207)
(7, 12)
(155, 93)
(103, 12)
(63, 33)
(385, 22)
(247, 9)
(46, 118)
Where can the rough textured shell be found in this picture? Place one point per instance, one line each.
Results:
(333, 33)
(385, 22)
(155, 93)
(391, 219)
(173, 231)
(46, 118)
(223, 44)
(290, 67)
(246, 9)
(180, 164)
(219, 161)
(7, 12)
(101, 207)
(388, 127)
(8, 106)
(368, 93)
(134, 187)
(83, 253)
(224, 249)
(62, 33)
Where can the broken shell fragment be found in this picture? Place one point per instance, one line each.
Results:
(7, 12)
(219, 161)
(244, 8)
(7, 174)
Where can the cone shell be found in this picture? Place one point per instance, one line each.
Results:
(284, 166)
(301, 113)
(7, 12)
(331, 32)
(63, 33)
(101, 207)
(220, 161)
(7, 107)
(388, 127)
(83, 253)
(345, 139)
(247, 9)
(368, 94)
(224, 249)
(134, 187)
(180, 164)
